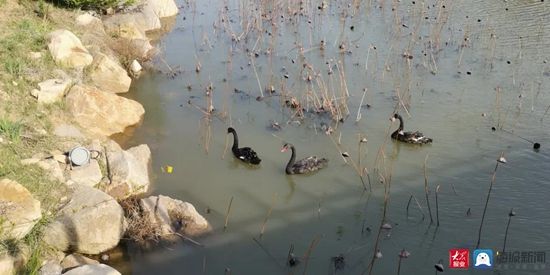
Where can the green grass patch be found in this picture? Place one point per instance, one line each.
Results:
(10, 129)
(93, 4)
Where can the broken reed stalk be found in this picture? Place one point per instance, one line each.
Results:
(426, 190)
(267, 252)
(267, 216)
(353, 164)
(204, 265)
(387, 185)
(257, 78)
(493, 177)
(399, 265)
(418, 204)
(312, 245)
(358, 117)
(497, 106)
(227, 214)
(289, 254)
(437, 205)
(510, 215)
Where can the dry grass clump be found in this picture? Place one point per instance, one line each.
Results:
(141, 229)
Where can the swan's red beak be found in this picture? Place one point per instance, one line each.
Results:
(283, 149)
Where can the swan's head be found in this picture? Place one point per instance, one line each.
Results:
(230, 130)
(394, 117)
(286, 147)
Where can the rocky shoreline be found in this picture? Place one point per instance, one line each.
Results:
(88, 219)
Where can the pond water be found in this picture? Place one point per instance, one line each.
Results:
(453, 69)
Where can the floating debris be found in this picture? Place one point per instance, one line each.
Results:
(404, 253)
(167, 169)
(501, 160)
(292, 260)
(345, 154)
(387, 226)
(363, 140)
(439, 267)
(536, 146)
(512, 213)
(378, 254)
(339, 262)
(274, 125)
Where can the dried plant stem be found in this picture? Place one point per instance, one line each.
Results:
(257, 78)
(227, 214)
(426, 190)
(387, 185)
(267, 216)
(267, 252)
(418, 204)
(358, 117)
(507, 226)
(437, 205)
(312, 245)
(493, 177)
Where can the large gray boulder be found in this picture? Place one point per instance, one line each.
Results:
(18, 209)
(129, 171)
(93, 269)
(67, 50)
(91, 222)
(174, 216)
(100, 112)
(108, 75)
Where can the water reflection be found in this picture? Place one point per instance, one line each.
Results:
(449, 83)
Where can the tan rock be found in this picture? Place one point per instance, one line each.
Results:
(167, 212)
(129, 172)
(75, 260)
(50, 268)
(162, 8)
(91, 222)
(108, 75)
(67, 50)
(102, 113)
(89, 174)
(19, 210)
(51, 90)
(67, 130)
(7, 265)
(124, 26)
(93, 269)
(135, 68)
(89, 21)
(51, 166)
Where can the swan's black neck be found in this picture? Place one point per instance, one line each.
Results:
(235, 140)
(400, 123)
(291, 161)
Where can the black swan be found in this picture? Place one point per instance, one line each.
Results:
(408, 137)
(303, 166)
(246, 154)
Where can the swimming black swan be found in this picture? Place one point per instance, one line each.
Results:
(245, 154)
(408, 137)
(303, 166)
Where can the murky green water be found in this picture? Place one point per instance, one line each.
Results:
(461, 52)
